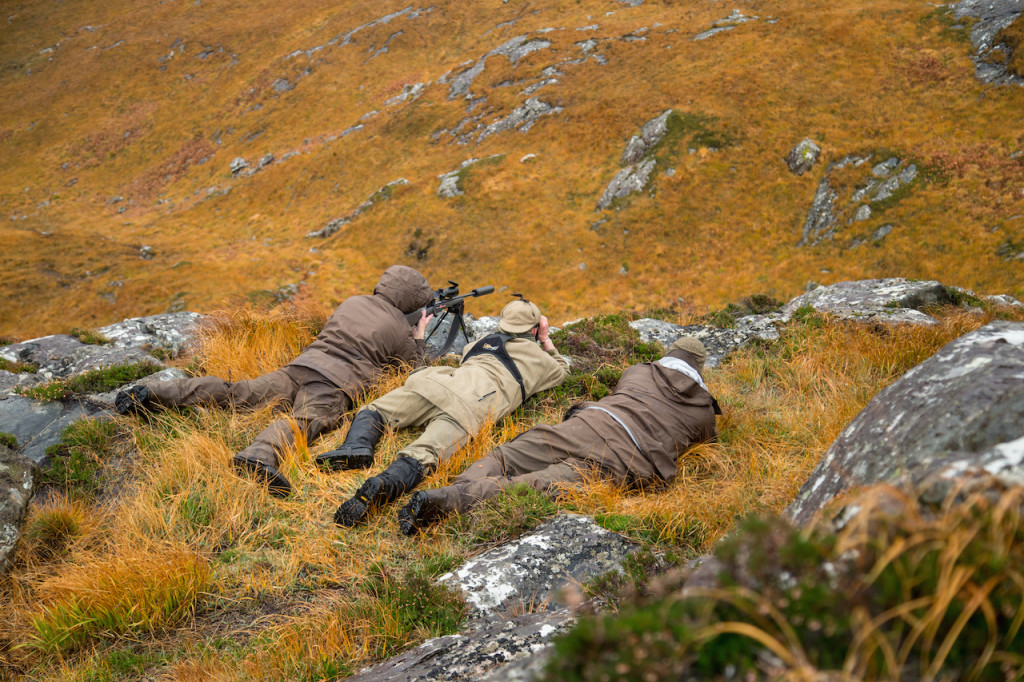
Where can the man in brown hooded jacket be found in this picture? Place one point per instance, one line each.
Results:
(497, 374)
(633, 436)
(364, 334)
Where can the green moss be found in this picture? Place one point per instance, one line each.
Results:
(517, 510)
(18, 367)
(93, 381)
(8, 440)
(76, 462)
(604, 340)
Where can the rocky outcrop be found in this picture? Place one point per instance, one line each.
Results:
(894, 300)
(962, 408)
(519, 577)
(991, 53)
(37, 425)
(18, 477)
(529, 571)
(727, 24)
(492, 649)
(886, 182)
(382, 194)
(637, 161)
(717, 341)
(803, 156)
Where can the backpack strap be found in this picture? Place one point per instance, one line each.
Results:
(494, 345)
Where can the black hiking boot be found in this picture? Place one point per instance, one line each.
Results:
(277, 484)
(357, 450)
(422, 510)
(133, 400)
(401, 476)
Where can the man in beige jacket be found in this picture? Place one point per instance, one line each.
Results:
(364, 334)
(633, 436)
(497, 374)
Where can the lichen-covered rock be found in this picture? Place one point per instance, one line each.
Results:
(992, 17)
(650, 135)
(531, 570)
(60, 355)
(821, 218)
(803, 156)
(38, 425)
(893, 300)
(521, 118)
(482, 326)
(171, 331)
(502, 649)
(18, 477)
(717, 342)
(963, 406)
(629, 180)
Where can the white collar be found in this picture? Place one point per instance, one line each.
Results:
(684, 367)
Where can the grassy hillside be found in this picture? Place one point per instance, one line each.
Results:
(119, 123)
(148, 557)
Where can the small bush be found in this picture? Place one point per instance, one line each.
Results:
(946, 605)
(604, 340)
(756, 304)
(89, 336)
(8, 440)
(55, 526)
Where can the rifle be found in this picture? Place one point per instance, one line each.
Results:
(447, 301)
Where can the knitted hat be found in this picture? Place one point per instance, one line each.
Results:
(518, 317)
(693, 347)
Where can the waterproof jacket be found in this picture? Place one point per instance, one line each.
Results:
(666, 411)
(366, 333)
(482, 388)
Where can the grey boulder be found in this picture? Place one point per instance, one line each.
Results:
(18, 477)
(962, 408)
(530, 571)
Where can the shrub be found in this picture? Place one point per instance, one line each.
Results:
(896, 593)
(517, 510)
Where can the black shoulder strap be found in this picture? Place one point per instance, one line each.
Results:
(494, 344)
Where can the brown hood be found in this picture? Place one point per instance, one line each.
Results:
(404, 288)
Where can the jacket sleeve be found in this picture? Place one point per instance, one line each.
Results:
(555, 370)
(412, 351)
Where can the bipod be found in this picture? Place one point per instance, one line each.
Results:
(458, 323)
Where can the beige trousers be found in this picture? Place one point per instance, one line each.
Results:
(401, 408)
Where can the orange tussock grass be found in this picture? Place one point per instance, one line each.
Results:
(115, 595)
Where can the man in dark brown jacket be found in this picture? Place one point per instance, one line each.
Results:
(363, 335)
(633, 436)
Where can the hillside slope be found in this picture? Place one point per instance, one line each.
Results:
(120, 125)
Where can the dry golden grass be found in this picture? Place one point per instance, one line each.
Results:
(151, 121)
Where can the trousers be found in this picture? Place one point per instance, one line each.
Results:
(317, 404)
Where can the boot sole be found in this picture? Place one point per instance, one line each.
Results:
(344, 461)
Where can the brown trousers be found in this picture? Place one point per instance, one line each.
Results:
(442, 437)
(317, 404)
(540, 458)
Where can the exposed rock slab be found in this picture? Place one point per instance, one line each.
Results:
(803, 156)
(171, 331)
(893, 300)
(992, 17)
(964, 405)
(38, 425)
(500, 649)
(717, 342)
(18, 477)
(531, 570)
